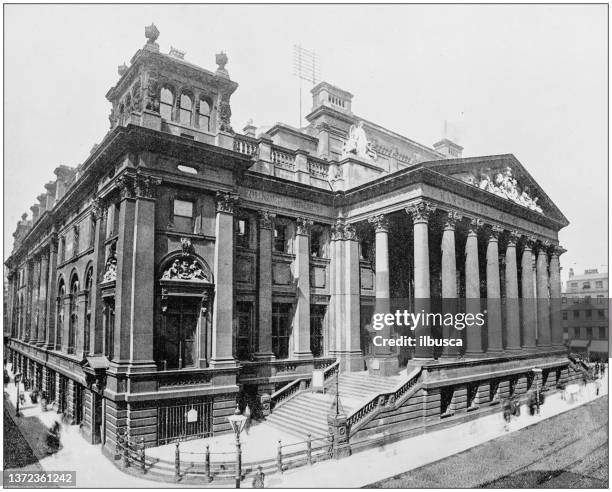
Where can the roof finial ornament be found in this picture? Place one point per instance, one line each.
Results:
(221, 60)
(151, 33)
(121, 69)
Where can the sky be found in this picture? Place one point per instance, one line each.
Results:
(530, 80)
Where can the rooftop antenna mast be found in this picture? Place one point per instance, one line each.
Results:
(305, 67)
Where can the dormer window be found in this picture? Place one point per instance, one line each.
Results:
(166, 102)
(186, 109)
(204, 115)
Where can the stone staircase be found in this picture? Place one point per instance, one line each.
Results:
(306, 413)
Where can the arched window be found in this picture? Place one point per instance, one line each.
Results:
(59, 325)
(88, 288)
(186, 109)
(204, 115)
(166, 102)
(74, 318)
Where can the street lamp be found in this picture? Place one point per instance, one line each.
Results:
(17, 381)
(538, 374)
(237, 421)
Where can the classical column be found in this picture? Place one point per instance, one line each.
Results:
(421, 212)
(42, 294)
(383, 361)
(336, 304)
(223, 304)
(449, 279)
(51, 295)
(513, 317)
(99, 211)
(494, 315)
(528, 302)
(35, 300)
(264, 294)
(543, 302)
(350, 355)
(301, 318)
(472, 288)
(555, 296)
(29, 274)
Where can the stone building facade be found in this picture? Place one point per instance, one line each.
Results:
(185, 266)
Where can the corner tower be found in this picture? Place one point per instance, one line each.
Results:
(166, 93)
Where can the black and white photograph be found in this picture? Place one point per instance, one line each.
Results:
(305, 246)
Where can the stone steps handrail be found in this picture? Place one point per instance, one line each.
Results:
(395, 397)
(296, 386)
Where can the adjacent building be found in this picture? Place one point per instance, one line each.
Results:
(585, 313)
(184, 266)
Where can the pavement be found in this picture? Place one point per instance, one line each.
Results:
(359, 470)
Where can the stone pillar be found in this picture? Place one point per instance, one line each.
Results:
(472, 288)
(339, 430)
(555, 296)
(223, 304)
(29, 274)
(449, 280)
(350, 354)
(35, 299)
(383, 361)
(528, 304)
(513, 317)
(51, 295)
(301, 317)
(336, 304)
(421, 211)
(264, 292)
(543, 302)
(42, 303)
(79, 348)
(494, 315)
(99, 211)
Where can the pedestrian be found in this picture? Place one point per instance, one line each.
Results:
(533, 403)
(507, 413)
(258, 479)
(247, 414)
(603, 369)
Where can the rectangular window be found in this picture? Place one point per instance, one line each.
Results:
(602, 332)
(242, 232)
(599, 284)
(317, 315)
(600, 299)
(589, 332)
(183, 216)
(69, 242)
(588, 313)
(316, 243)
(587, 299)
(564, 314)
(62, 249)
(280, 329)
(576, 314)
(244, 313)
(577, 332)
(280, 243)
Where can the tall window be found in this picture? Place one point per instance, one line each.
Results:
(59, 326)
(74, 314)
(602, 332)
(317, 315)
(204, 115)
(244, 313)
(75, 239)
(280, 329)
(280, 243)
(242, 232)
(316, 243)
(166, 102)
(183, 216)
(62, 249)
(176, 346)
(186, 109)
(88, 287)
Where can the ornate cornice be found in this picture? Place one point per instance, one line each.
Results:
(266, 219)
(127, 186)
(303, 226)
(146, 186)
(420, 211)
(380, 223)
(226, 202)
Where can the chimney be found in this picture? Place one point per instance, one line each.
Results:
(448, 148)
(325, 94)
(35, 212)
(250, 129)
(571, 272)
(50, 187)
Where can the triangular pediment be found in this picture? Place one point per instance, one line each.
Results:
(503, 176)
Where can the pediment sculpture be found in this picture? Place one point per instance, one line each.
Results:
(503, 184)
(357, 144)
(186, 268)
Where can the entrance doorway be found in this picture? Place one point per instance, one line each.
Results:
(176, 341)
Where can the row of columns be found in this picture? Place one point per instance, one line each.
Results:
(539, 308)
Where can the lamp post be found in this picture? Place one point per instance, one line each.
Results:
(538, 373)
(17, 381)
(237, 421)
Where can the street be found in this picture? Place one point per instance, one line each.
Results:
(569, 450)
